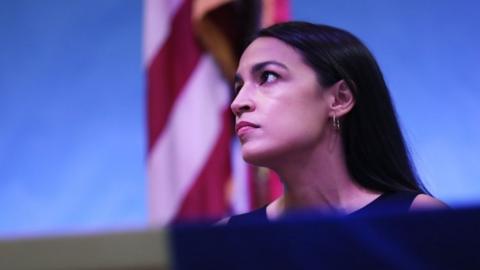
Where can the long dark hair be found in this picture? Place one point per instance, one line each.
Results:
(375, 150)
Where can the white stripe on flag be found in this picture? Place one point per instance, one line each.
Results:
(191, 133)
(156, 21)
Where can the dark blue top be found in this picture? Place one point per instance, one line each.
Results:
(389, 202)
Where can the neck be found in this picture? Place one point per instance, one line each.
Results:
(319, 179)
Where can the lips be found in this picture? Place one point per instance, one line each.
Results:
(244, 125)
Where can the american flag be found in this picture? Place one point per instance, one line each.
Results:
(191, 49)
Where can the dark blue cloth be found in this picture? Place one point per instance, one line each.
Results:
(389, 202)
(442, 239)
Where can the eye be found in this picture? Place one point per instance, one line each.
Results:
(268, 77)
(237, 86)
(237, 83)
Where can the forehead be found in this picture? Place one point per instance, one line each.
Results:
(267, 49)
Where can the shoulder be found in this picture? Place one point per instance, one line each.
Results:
(223, 221)
(256, 216)
(426, 202)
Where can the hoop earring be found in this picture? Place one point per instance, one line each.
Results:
(335, 122)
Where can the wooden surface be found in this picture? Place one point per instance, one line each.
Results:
(142, 250)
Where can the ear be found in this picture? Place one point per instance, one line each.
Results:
(342, 99)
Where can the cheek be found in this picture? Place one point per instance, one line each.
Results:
(302, 121)
(297, 125)
(298, 132)
(280, 139)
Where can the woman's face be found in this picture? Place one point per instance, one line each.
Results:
(280, 108)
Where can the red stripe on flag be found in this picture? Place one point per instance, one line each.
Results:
(282, 11)
(207, 197)
(170, 70)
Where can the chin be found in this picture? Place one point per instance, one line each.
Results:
(254, 160)
(260, 157)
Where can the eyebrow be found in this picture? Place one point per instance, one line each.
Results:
(259, 66)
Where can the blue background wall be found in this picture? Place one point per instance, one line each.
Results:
(72, 140)
(72, 121)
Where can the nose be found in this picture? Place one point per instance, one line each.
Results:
(242, 103)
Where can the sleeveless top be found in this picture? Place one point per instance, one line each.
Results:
(391, 202)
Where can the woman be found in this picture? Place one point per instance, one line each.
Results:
(312, 105)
